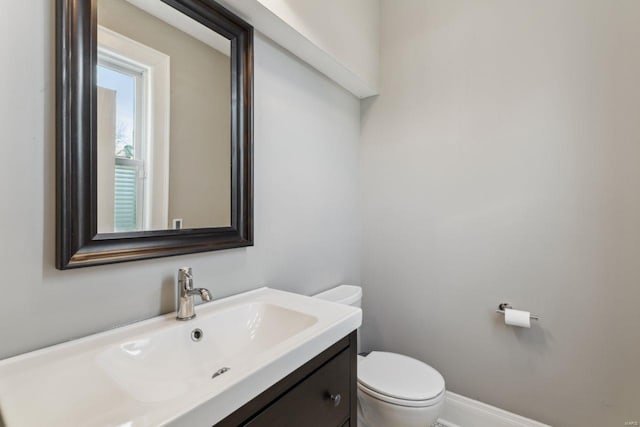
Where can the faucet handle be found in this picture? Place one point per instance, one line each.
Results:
(185, 277)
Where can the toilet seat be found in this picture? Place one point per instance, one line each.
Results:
(400, 380)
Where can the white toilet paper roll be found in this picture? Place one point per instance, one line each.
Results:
(517, 318)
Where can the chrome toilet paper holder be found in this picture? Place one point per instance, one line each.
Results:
(503, 306)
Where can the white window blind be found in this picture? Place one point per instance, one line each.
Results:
(127, 194)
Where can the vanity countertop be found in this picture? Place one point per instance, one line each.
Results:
(154, 372)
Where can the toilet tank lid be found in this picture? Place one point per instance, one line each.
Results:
(343, 294)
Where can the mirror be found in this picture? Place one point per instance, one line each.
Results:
(154, 129)
(163, 120)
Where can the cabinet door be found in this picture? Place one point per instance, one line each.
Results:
(320, 400)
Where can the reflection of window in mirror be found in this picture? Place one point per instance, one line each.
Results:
(133, 87)
(126, 137)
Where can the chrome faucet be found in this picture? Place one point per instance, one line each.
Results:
(186, 309)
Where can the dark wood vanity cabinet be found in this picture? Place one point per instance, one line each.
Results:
(321, 393)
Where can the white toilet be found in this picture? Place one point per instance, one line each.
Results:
(393, 390)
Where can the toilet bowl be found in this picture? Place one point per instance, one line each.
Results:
(393, 390)
(396, 390)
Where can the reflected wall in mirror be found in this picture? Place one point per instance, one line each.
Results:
(154, 130)
(163, 120)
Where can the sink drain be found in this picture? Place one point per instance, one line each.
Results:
(197, 334)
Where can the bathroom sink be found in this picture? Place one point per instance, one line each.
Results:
(162, 371)
(221, 339)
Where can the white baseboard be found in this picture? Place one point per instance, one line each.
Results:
(460, 411)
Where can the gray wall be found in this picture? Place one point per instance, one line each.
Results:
(501, 163)
(306, 217)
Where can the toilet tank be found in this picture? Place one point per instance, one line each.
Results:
(343, 294)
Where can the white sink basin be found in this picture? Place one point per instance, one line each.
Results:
(234, 336)
(154, 372)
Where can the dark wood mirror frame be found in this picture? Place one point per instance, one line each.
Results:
(78, 243)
